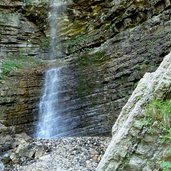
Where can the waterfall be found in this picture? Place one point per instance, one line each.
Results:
(53, 15)
(47, 126)
(48, 107)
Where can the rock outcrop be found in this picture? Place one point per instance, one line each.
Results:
(108, 46)
(136, 145)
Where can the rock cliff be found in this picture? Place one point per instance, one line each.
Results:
(108, 45)
(122, 41)
(106, 48)
(18, 35)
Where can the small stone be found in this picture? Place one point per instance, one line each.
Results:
(135, 164)
(147, 168)
(40, 151)
(22, 137)
(14, 158)
(6, 158)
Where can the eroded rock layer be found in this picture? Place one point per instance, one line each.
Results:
(108, 62)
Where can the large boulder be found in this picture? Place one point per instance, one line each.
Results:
(137, 143)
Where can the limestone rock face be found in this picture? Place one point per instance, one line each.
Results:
(133, 146)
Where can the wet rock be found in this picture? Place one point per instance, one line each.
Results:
(108, 45)
(18, 102)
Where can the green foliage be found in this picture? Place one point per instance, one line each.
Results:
(165, 165)
(160, 111)
(8, 65)
(167, 136)
(11, 64)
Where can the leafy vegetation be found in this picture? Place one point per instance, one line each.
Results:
(165, 165)
(11, 64)
(159, 111)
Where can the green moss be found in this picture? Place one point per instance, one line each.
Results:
(73, 30)
(97, 59)
(85, 40)
(96, 9)
(88, 65)
(85, 88)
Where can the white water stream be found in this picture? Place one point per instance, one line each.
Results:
(48, 112)
(48, 108)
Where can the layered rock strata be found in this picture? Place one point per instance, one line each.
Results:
(109, 45)
(108, 62)
(18, 35)
(19, 97)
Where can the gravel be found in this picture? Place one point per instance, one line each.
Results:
(68, 154)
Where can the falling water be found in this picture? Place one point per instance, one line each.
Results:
(49, 105)
(53, 30)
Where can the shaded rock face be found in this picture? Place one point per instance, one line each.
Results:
(109, 45)
(123, 40)
(18, 36)
(137, 145)
(19, 97)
